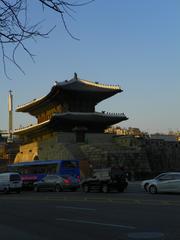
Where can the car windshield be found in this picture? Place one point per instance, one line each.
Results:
(15, 177)
(160, 175)
(48, 178)
(168, 176)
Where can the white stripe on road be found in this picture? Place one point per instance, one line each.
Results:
(95, 223)
(77, 208)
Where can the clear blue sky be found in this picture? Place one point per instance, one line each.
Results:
(133, 43)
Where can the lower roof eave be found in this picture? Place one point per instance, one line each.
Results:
(74, 119)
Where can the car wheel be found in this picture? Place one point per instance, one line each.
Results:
(153, 189)
(146, 187)
(36, 189)
(85, 188)
(121, 189)
(105, 188)
(6, 190)
(58, 188)
(74, 189)
(18, 191)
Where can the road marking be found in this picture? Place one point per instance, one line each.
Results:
(137, 201)
(146, 235)
(77, 208)
(95, 223)
(154, 202)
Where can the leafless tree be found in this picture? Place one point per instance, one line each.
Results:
(15, 27)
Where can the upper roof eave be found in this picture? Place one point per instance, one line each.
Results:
(75, 84)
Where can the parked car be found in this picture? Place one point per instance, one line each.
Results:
(10, 182)
(165, 182)
(56, 183)
(71, 182)
(106, 180)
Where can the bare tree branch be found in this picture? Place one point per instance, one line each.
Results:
(15, 28)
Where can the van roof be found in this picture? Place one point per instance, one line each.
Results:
(8, 173)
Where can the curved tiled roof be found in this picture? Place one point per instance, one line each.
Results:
(76, 85)
(74, 117)
(79, 82)
(31, 127)
(91, 117)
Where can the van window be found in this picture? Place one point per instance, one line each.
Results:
(15, 177)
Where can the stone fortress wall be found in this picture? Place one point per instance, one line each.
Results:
(98, 150)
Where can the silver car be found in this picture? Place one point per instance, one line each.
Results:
(56, 183)
(165, 182)
(49, 183)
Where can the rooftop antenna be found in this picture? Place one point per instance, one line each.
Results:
(10, 111)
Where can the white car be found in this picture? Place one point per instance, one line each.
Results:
(10, 182)
(165, 182)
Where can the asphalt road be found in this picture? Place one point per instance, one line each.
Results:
(90, 216)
